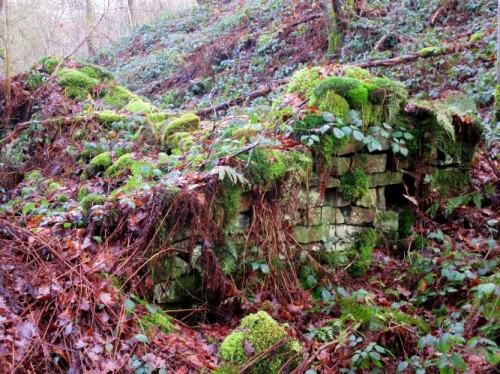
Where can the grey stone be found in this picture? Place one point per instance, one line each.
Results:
(306, 235)
(369, 200)
(351, 148)
(331, 215)
(360, 216)
(385, 179)
(334, 198)
(381, 202)
(367, 162)
(308, 198)
(333, 182)
(387, 221)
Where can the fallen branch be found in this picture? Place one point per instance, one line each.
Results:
(452, 48)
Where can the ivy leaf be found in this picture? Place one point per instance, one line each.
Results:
(129, 306)
(141, 338)
(402, 366)
(324, 128)
(338, 133)
(358, 135)
(28, 208)
(458, 362)
(264, 268)
(328, 117)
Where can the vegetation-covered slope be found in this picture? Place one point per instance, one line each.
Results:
(112, 204)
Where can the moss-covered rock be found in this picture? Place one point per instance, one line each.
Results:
(304, 82)
(35, 80)
(96, 72)
(77, 85)
(362, 252)
(354, 185)
(430, 51)
(108, 116)
(122, 165)
(117, 96)
(139, 106)
(260, 331)
(49, 63)
(98, 164)
(91, 200)
(187, 122)
(334, 103)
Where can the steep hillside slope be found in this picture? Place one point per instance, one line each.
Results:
(217, 52)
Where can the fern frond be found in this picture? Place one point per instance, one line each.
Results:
(227, 172)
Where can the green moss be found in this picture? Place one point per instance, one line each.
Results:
(261, 331)
(187, 122)
(354, 185)
(77, 84)
(476, 36)
(117, 96)
(92, 199)
(62, 198)
(99, 163)
(357, 72)
(228, 199)
(394, 95)
(304, 81)
(157, 320)
(108, 116)
(158, 117)
(49, 63)
(139, 106)
(333, 103)
(97, 72)
(35, 80)
(82, 192)
(452, 182)
(181, 140)
(123, 164)
(362, 252)
(265, 166)
(372, 114)
(33, 176)
(53, 186)
(406, 223)
(430, 51)
(357, 97)
(339, 85)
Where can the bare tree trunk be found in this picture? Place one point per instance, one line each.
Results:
(498, 42)
(8, 63)
(331, 12)
(90, 25)
(132, 15)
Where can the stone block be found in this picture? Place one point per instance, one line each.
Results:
(360, 216)
(334, 198)
(381, 202)
(331, 215)
(385, 179)
(308, 198)
(369, 200)
(351, 148)
(306, 235)
(367, 162)
(387, 221)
